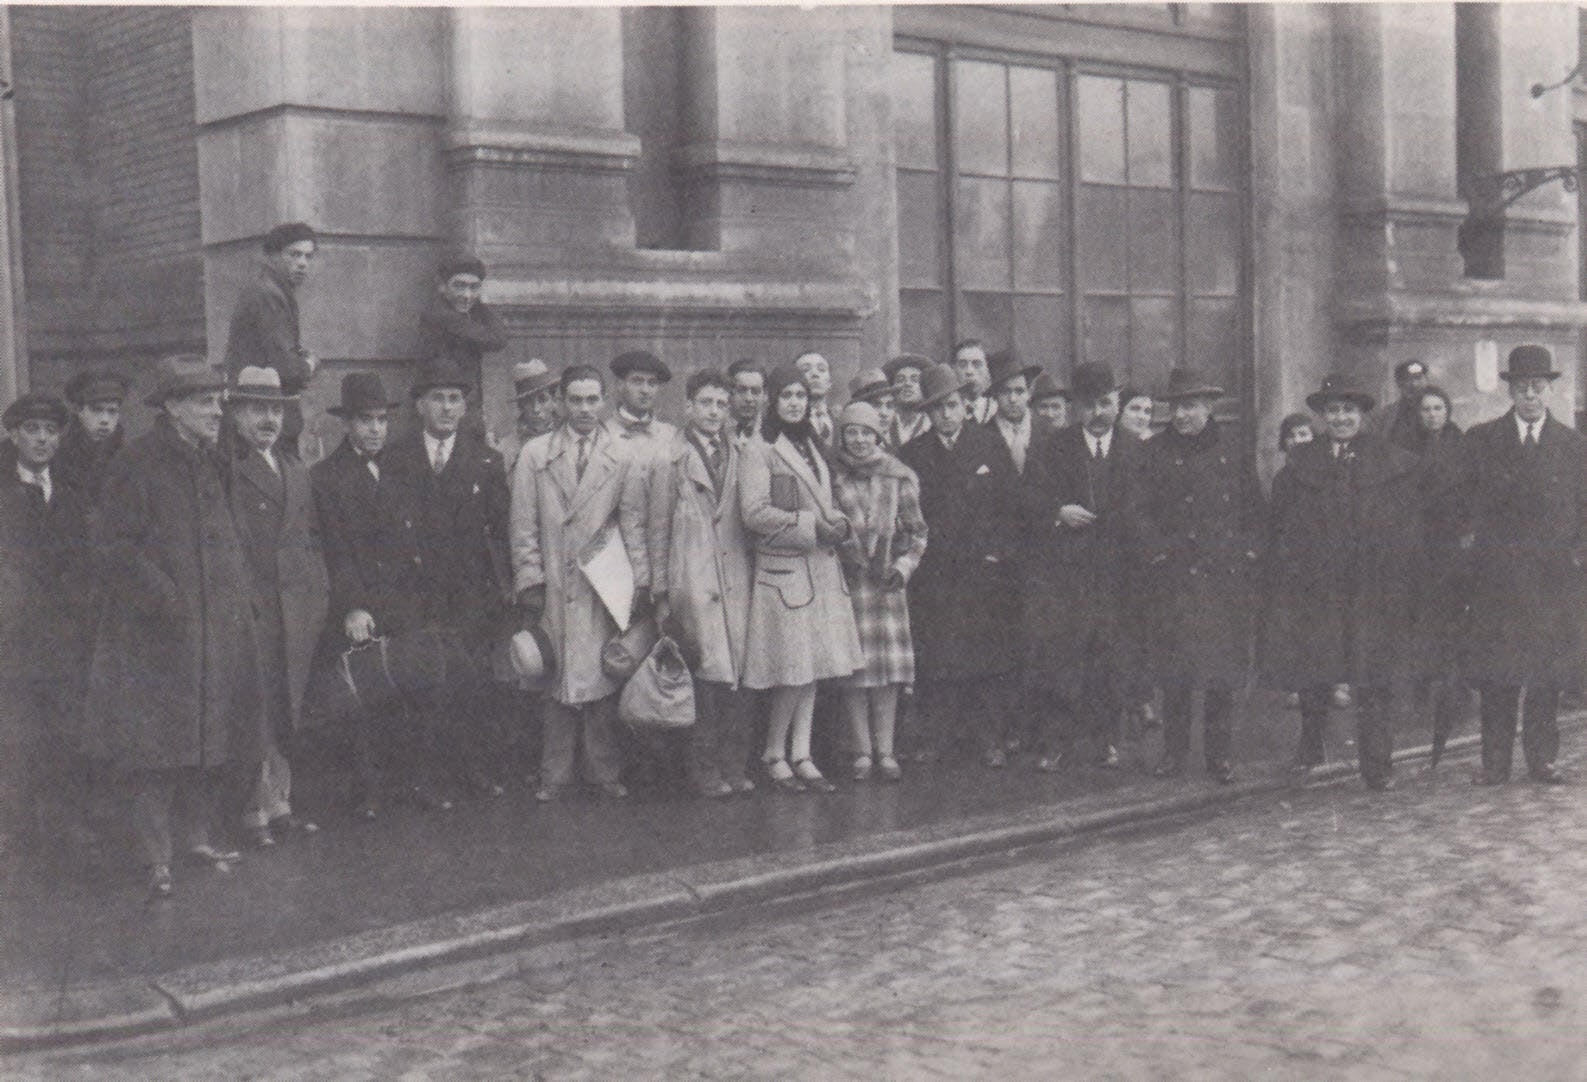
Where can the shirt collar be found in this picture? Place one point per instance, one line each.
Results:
(948, 441)
(1104, 441)
(41, 476)
(632, 420)
(1020, 429)
(1521, 426)
(431, 443)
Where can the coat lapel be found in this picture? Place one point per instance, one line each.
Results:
(603, 460)
(561, 466)
(796, 462)
(257, 473)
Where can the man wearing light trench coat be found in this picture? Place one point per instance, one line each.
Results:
(558, 517)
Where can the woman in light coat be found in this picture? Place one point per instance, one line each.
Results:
(801, 625)
(881, 498)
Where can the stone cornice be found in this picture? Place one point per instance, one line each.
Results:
(527, 298)
(1398, 209)
(1468, 311)
(579, 150)
(766, 163)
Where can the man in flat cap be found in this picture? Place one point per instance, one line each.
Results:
(457, 327)
(906, 371)
(534, 387)
(636, 431)
(264, 331)
(1526, 495)
(747, 398)
(94, 434)
(281, 539)
(174, 693)
(1399, 425)
(1346, 532)
(46, 591)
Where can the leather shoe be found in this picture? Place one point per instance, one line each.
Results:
(216, 858)
(807, 772)
(160, 881)
(1109, 759)
(716, 790)
(260, 837)
(548, 794)
(292, 824)
(889, 768)
(1548, 774)
(614, 790)
(743, 786)
(1488, 777)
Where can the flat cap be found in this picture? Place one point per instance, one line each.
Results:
(97, 385)
(288, 233)
(640, 361)
(35, 407)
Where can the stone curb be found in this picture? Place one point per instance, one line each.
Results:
(37, 1018)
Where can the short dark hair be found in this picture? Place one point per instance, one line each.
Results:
(967, 343)
(745, 364)
(576, 372)
(1287, 427)
(706, 377)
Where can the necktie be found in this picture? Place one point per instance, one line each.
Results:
(439, 462)
(713, 462)
(35, 481)
(1530, 443)
(1096, 451)
(584, 457)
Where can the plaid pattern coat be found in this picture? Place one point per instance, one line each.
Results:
(883, 506)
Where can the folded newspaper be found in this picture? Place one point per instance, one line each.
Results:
(605, 564)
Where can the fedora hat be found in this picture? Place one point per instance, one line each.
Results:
(35, 407)
(94, 385)
(182, 375)
(1340, 387)
(531, 377)
(440, 373)
(869, 385)
(1189, 383)
(1045, 386)
(1004, 366)
(906, 360)
(258, 384)
(531, 657)
(1530, 362)
(939, 382)
(1092, 381)
(362, 392)
(639, 361)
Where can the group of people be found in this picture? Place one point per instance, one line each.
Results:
(1030, 558)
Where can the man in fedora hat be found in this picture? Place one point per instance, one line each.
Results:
(1049, 403)
(1526, 496)
(1073, 512)
(1196, 522)
(174, 693)
(274, 508)
(264, 329)
(909, 420)
(1346, 530)
(46, 620)
(960, 594)
(94, 434)
(534, 387)
(1009, 387)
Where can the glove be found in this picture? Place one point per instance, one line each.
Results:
(643, 605)
(532, 604)
(894, 580)
(831, 530)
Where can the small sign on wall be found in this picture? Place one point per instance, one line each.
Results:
(1486, 365)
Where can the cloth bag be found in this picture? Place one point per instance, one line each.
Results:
(660, 694)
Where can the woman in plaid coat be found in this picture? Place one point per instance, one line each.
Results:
(881, 497)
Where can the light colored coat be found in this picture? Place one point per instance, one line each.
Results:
(700, 556)
(556, 519)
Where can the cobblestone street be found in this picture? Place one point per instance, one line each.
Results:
(1436, 931)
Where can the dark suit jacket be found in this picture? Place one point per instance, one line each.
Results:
(264, 334)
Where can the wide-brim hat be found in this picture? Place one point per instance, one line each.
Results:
(182, 375)
(1092, 381)
(533, 661)
(1189, 383)
(1003, 366)
(531, 377)
(258, 384)
(441, 373)
(1530, 362)
(638, 360)
(35, 407)
(362, 392)
(906, 360)
(93, 385)
(1340, 388)
(1046, 386)
(869, 385)
(939, 382)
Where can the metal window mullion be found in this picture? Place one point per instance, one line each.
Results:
(947, 159)
(1072, 161)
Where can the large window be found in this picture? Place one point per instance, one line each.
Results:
(1073, 213)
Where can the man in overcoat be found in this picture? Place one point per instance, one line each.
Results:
(455, 486)
(1196, 523)
(264, 330)
(1073, 510)
(959, 596)
(700, 571)
(1526, 489)
(571, 489)
(95, 434)
(174, 690)
(1346, 531)
(275, 515)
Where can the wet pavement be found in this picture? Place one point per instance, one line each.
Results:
(1436, 931)
(91, 922)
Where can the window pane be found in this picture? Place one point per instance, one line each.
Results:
(914, 83)
(922, 322)
(1151, 135)
(1041, 332)
(987, 316)
(1105, 335)
(1099, 132)
(1100, 228)
(981, 255)
(980, 117)
(1038, 235)
(1034, 92)
(1214, 137)
(1212, 240)
(1154, 340)
(1154, 241)
(1213, 344)
(919, 229)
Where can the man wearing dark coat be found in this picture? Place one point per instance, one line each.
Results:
(1195, 514)
(1346, 536)
(958, 597)
(1073, 510)
(174, 695)
(264, 331)
(457, 327)
(275, 516)
(94, 434)
(46, 592)
(1526, 489)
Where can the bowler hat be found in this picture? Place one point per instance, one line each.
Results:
(1004, 366)
(1530, 362)
(1092, 381)
(640, 361)
(181, 375)
(288, 233)
(461, 263)
(531, 377)
(93, 385)
(1045, 386)
(362, 392)
(258, 385)
(939, 382)
(35, 407)
(1189, 383)
(905, 360)
(440, 373)
(1337, 388)
(869, 385)
(863, 414)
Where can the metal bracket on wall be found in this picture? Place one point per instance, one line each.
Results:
(1495, 192)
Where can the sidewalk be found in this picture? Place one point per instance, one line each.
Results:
(84, 953)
